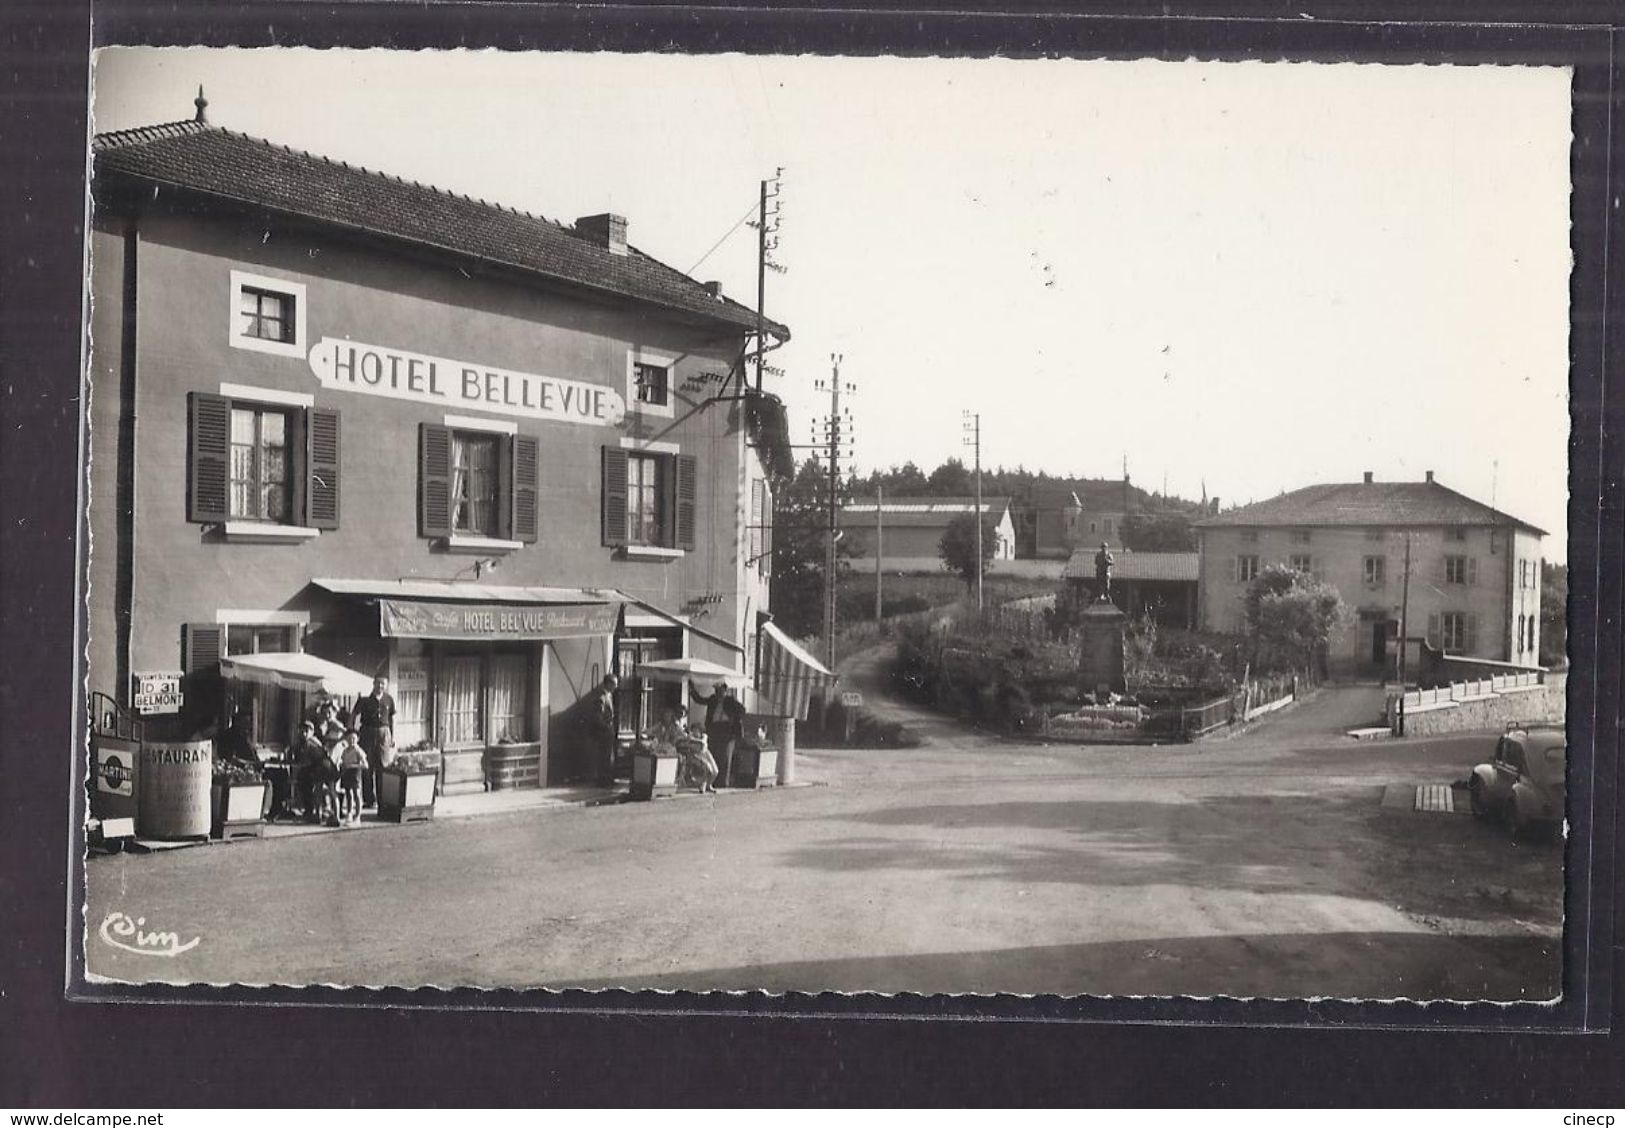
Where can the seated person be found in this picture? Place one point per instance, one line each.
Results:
(668, 732)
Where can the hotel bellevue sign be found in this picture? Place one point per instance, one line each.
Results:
(350, 366)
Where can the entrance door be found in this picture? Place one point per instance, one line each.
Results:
(1379, 643)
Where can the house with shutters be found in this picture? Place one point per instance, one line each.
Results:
(337, 416)
(1474, 572)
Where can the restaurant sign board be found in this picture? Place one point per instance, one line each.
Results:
(375, 370)
(408, 618)
(172, 800)
(157, 693)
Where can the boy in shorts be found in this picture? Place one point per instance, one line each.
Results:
(352, 761)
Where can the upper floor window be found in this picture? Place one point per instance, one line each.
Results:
(1373, 534)
(260, 482)
(474, 483)
(652, 383)
(1300, 536)
(1455, 534)
(1460, 570)
(1249, 536)
(259, 457)
(1376, 570)
(267, 314)
(1455, 631)
(650, 380)
(649, 498)
(1301, 562)
(479, 481)
(1246, 568)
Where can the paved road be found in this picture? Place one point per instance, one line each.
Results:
(1256, 866)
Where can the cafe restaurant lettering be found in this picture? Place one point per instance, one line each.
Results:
(532, 483)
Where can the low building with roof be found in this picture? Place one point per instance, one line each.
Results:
(1162, 583)
(491, 456)
(909, 529)
(1474, 571)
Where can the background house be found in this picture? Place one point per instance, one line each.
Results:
(911, 528)
(1474, 571)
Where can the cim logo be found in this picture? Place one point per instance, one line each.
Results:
(120, 931)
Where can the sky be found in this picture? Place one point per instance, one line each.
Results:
(1237, 277)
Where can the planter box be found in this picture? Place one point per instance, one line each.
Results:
(238, 810)
(463, 771)
(654, 774)
(509, 766)
(755, 765)
(406, 796)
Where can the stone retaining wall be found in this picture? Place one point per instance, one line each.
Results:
(1492, 712)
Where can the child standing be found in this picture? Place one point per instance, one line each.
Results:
(352, 761)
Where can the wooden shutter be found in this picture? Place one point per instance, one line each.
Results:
(1472, 636)
(434, 480)
(614, 475)
(1235, 569)
(202, 645)
(1433, 630)
(687, 488)
(1472, 569)
(767, 530)
(209, 494)
(525, 475)
(754, 540)
(322, 468)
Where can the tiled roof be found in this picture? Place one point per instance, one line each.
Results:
(918, 512)
(1367, 504)
(1128, 565)
(236, 168)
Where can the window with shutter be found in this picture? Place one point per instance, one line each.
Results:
(434, 480)
(525, 485)
(753, 540)
(1472, 569)
(322, 468)
(767, 530)
(208, 493)
(614, 516)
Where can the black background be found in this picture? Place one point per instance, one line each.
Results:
(540, 1049)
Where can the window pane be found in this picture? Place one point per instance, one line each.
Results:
(508, 701)
(459, 701)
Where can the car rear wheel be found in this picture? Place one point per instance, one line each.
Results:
(1480, 802)
(1518, 819)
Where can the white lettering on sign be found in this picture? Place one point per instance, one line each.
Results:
(157, 693)
(350, 366)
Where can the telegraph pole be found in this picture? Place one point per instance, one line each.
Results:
(880, 550)
(973, 437)
(767, 241)
(1404, 631)
(835, 433)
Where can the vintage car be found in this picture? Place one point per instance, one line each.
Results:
(1523, 782)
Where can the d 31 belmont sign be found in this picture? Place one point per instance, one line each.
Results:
(157, 693)
(350, 366)
(407, 618)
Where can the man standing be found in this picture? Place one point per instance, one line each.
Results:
(603, 731)
(718, 732)
(375, 717)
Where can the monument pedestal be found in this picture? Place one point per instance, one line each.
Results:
(1100, 651)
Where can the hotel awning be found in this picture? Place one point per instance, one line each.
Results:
(786, 675)
(302, 673)
(430, 609)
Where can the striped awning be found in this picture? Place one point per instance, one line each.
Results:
(787, 675)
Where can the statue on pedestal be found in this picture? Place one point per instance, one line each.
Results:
(1103, 572)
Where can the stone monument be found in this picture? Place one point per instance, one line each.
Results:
(1100, 630)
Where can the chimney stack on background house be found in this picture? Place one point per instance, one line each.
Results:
(1213, 507)
(607, 230)
(715, 289)
(1368, 477)
(1430, 475)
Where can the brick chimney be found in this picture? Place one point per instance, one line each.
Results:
(1430, 475)
(1213, 507)
(714, 289)
(1368, 477)
(607, 230)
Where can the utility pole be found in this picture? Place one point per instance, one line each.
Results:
(973, 438)
(767, 241)
(1404, 631)
(836, 435)
(880, 550)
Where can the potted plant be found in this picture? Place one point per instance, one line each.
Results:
(654, 770)
(756, 762)
(239, 799)
(407, 784)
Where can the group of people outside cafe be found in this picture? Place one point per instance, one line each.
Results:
(706, 749)
(334, 763)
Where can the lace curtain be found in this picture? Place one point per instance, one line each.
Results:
(507, 697)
